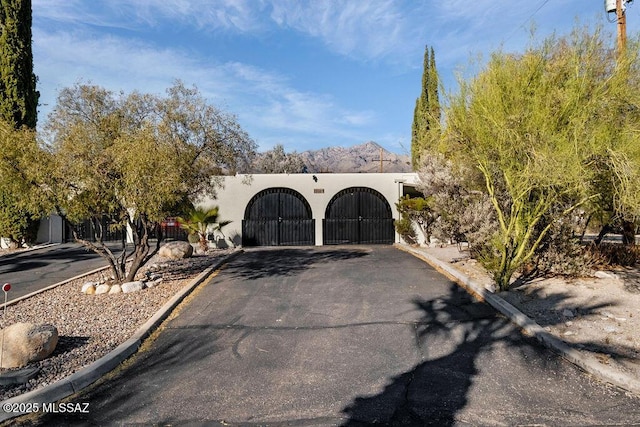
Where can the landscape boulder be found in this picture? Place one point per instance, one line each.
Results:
(89, 288)
(102, 289)
(176, 250)
(129, 287)
(23, 343)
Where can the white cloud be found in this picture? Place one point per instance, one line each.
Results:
(386, 30)
(61, 59)
(236, 15)
(264, 100)
(364, 30)
(206, 15)
(283, 110)
(80, 39)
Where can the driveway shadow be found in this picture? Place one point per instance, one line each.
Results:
(262, 263)
(437, 389)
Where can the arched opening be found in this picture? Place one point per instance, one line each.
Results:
(358, 215)
(278, 217)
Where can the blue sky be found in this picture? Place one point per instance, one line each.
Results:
(305, 74)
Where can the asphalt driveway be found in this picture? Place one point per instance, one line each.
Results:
(343, 336)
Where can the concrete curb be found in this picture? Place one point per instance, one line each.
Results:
(91, 373)
(583, 359)
(32, 248)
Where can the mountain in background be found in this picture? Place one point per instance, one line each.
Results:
(361, 158)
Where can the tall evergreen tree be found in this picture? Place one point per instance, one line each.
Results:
(18, 110)
(426, 115)
(18, 95)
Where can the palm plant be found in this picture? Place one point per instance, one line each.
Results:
(198, 221)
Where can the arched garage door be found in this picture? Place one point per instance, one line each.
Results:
(358, 215)
(278, 217)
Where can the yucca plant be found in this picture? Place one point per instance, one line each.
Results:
(197, 222)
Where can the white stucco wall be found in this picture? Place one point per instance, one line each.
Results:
(238, 191)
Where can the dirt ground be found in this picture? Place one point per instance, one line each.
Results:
(599, 314)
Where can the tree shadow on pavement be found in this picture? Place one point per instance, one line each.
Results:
(452, 335)
(258, 264)
(436, 389)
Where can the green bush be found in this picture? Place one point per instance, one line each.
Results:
(404, 227)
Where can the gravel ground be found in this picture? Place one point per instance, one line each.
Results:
(90, 326)
(599, 316)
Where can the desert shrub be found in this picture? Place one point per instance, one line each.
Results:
(560, 253)
(613, 254)
(461, 214)
(404, 227)
(419, 212)
(478, 223)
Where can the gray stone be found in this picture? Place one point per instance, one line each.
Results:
(23, 343)
(129, 287)
(605, 275)
(153, 283)
(567, 313)
(176, 250)
(154, 276)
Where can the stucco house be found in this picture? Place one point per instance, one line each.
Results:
(311, 209)
(298, 209)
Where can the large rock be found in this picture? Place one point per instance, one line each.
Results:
(102, 289)
(129, 287)
(176, 250)
(89, 288)
(23, 343)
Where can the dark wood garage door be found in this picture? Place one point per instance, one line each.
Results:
(278, 217)
(358, 215)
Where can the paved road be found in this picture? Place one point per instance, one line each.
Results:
(33, 270)
(347, 336)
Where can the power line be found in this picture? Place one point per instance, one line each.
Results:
(528, 19)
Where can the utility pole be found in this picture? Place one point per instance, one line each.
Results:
(382, 159)
(622, 27)
(619, 8)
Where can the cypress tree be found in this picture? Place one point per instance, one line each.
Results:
(426, 115)
(18, 109)
(18, 95)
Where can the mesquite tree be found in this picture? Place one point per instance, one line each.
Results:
(134, 158)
